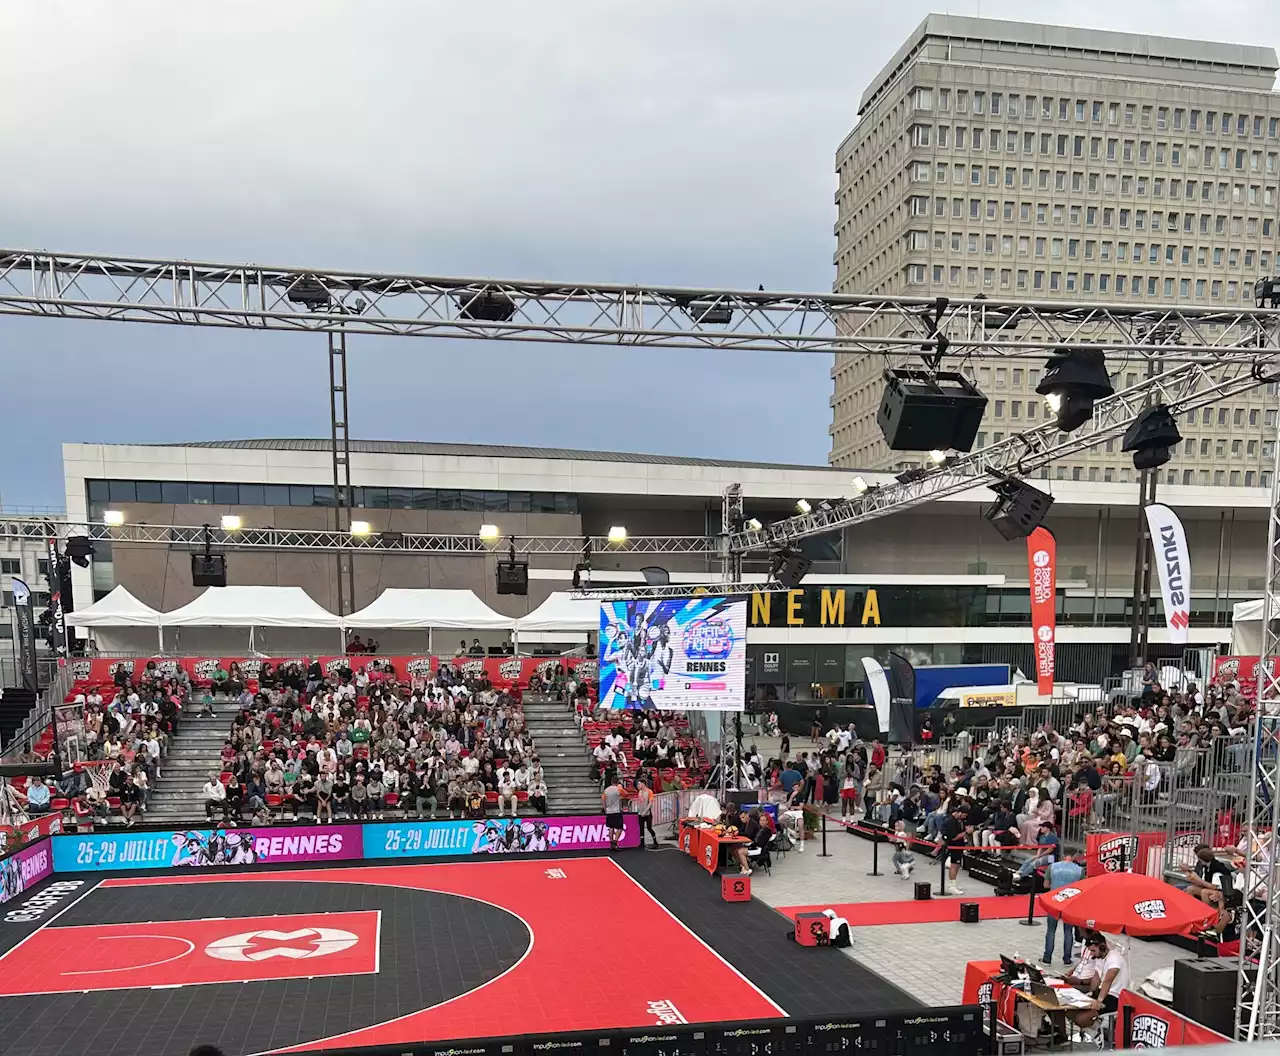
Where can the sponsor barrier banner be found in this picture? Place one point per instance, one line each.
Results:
(193, 848)
(1173, 562)
(1042, 571)
(430, 839)
(1123, 852)
(46, 825)
(1155, 1026)
(1242, 670)
(190, 848)
(666, 808)
(682, 654)
(503, 672)
(23, 869)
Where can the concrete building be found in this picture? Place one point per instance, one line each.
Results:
(938, 582)
(1020, 160)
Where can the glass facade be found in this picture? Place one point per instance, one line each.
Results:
(102, 493)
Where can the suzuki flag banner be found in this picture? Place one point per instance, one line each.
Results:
(1173, 562)
(1042, 571)
(678, 654)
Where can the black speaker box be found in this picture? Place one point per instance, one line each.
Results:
(1017, 515)
(208, 570)
(1204, 989)
(513, 577)
(923, 412)
(969, 912)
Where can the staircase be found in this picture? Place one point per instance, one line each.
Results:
(194, 754)
(562, 750)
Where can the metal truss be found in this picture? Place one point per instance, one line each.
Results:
(77, 286)
(1183, 388)
(191, 537)
(1258, 1004)
(675, 590)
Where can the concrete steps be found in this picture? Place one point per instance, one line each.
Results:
(562, 750)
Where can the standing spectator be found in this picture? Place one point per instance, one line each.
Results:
(215, 797)
(1060, 874)
(644, 809)
(611, 799)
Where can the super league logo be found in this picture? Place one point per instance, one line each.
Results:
(1149, 1032)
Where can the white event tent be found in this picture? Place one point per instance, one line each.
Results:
(399, 609)
(561, 618)
(289, 612)
(1246, 627)
(120, 623)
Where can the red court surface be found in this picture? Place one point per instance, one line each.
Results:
(191, 952)
(603, 952)
(931, 911)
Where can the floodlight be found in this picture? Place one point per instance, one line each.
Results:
(113, 518)
(231, 522)
(752, 524)
(617, 535)
(802, 506)
(490, 533)
(1072, 381)
(360, 528)
(859, 485)
(1150, 436)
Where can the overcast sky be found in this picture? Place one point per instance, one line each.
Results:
(667, 142)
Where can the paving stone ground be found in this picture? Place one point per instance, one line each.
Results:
(926, 960)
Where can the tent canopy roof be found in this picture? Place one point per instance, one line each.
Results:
(562, 612)
(117, 609)
(252, 607)
(400, 609)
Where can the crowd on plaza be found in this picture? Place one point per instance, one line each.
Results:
(1019, 792)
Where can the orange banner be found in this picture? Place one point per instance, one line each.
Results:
(1042, 571)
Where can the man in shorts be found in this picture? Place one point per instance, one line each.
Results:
(611, 799)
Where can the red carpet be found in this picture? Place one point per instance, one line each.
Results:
(934, 911)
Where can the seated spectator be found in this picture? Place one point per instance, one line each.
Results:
(215, 798)
(37, 797)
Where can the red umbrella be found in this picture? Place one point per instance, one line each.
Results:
(1127, 904)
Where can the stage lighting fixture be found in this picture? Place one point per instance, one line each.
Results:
(1266, 292)
(787, 568)
(231, 523)
(112, 518)
(860, 485)
(937, 456)
(309, 292)
(79, 549)
(1072, 381)
(709, 312)
(486, 307)
(1019, 508)
(803, 507)
(752, 524)
(1150, 436)
(617, 535)
(923, 411)
(489, 533)
(360, 529)
(582, 576)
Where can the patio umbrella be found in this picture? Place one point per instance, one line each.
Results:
(1127, 904)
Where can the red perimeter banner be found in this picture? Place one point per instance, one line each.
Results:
(1042, 571)
(1242, 670)
(503, 672)
(1154, 1026)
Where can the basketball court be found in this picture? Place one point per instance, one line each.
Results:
(301, 959)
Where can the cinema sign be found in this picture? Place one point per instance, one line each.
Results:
(815, 607)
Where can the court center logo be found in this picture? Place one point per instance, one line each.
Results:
(295, 945)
